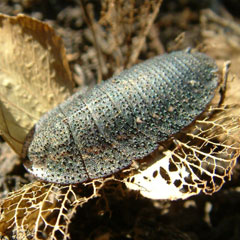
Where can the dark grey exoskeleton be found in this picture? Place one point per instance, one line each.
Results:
(124, 118)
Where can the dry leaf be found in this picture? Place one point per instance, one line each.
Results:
(34, 75)
(222, 38)
(40, 209)
(44, 210)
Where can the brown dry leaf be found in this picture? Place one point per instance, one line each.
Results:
(34, 75)
(222, 38)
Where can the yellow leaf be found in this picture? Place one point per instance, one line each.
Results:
(34, 75)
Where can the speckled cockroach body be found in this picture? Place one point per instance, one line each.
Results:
(125, 118)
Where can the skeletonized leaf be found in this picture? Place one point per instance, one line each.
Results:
(43, 209)
(34, 75)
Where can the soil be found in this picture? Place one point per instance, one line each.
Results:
(123, 214)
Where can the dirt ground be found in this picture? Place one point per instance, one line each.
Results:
(122, 214)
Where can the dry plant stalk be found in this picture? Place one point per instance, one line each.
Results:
(121, 32)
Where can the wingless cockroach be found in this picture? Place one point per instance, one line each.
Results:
(122, 119)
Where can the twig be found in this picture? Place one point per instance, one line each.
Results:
(135, 54)
(91, 26)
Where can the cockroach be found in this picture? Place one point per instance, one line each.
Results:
(125, 118)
